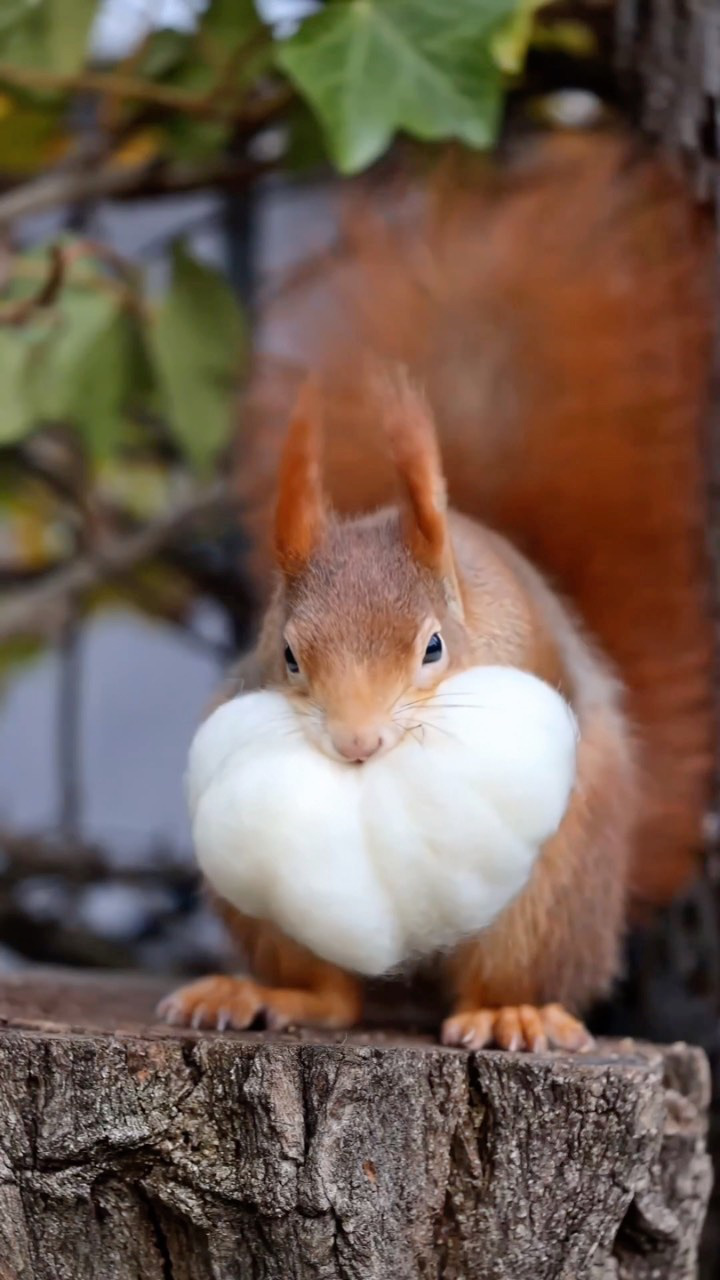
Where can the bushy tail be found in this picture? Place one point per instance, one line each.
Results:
(558, 315)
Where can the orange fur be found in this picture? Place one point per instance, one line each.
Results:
(300, 507)
(291, 986)
(414, 451)
(558, 319)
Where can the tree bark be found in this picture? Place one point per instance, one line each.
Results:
(670, 52)
(131, 1151)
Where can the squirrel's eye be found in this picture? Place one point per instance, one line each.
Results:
(291, 661)
(434, 650)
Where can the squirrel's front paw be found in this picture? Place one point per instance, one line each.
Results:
(518, 1027)
(215, 1003)
(219, 1002)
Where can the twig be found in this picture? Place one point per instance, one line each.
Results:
(224, 174)
(109, 114)
(64, 187)
(43, 606)
(227, 69)
(110, 84)
(151, 179)
(16, 313)
(105, 83)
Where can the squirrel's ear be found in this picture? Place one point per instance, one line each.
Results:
(409, 425)
(301, 514)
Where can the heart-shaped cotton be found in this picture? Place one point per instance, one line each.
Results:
(374, 865)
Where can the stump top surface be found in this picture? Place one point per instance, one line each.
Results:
(70, 1002)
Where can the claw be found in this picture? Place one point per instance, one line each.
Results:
(522, 1027)
(198, 1016)
(168, 1011)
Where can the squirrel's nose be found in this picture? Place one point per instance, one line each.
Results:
(356, 747)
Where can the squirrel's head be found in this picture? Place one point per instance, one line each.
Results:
(370, 609)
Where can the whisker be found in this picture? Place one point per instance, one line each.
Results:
(413, 729)
(444, 700)
(448, 732)
(422, 725)
(425, 724)
(459, 706)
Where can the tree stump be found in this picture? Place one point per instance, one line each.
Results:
(132, 1151)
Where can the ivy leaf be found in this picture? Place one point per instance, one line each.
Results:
(306, 148)
(197, 343)
(369, 68)
(235, 44)
(226, 49)
(69, 23)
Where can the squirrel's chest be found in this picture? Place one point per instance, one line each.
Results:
(371, 867)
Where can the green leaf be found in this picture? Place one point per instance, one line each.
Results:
(53, 34)
(101, 390)
(31, 137)
(164, 52)
(23, 34)
(370, 67)
(232, 49)
(197, 61)
(190, 139)
(16, 418)
(306, 148)
(69, 23)
(197, 343)
(231, 21)
(12, 13)
(575, 39)
(81, 370)
(509, 45)
(140, 486)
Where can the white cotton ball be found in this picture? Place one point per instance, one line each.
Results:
(372, 866)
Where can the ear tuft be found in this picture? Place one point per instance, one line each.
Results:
(301, 513)
(408, 423)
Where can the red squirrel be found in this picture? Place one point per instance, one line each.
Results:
(535, 496)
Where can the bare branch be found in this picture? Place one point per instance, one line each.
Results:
(73, 186)
(67, 186)
(43, 606)
(17, 313)
(110, 84)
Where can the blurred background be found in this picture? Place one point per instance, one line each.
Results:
(170, 172)
(170, 178)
